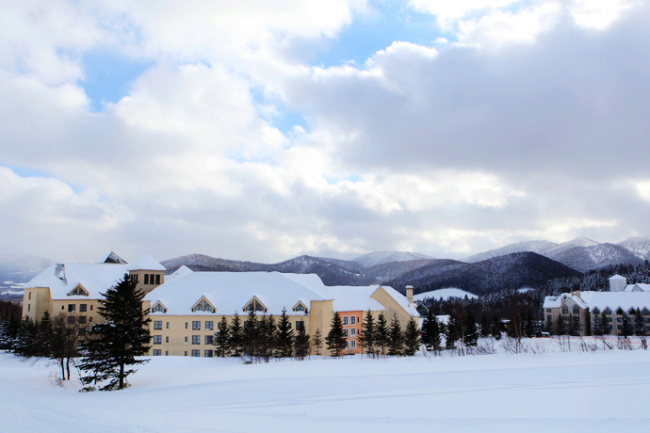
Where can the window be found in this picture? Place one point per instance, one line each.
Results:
(157, 339)
(186, 353)
(576, 310)
(159, 308)
(185, 325)
(156, 352)
(186, 339)
(83, 308)
(344, 320)
(196, 353)
(71, 320)
(150, 278)
(78, 291)
(71, 308)
(209, 339)
(298, 308)
(209, 325)
(208, 354)
(353, 320)
(166, 352)
(203, 305)
(146, 278)
(565, 309)
(167, 325)
(157, 324)
(82, 320)
(166, 339)
(549, 318)
(90, 319)
(158, 279)
(30, 295)
(549, 310)
(300, 325)
(595, 311)
(345, 332)
(254, 305)
(91, 308)
(353, 331)
(196, 325)
(353, 344)
(196, 339)
(29, 307)
(134, 278)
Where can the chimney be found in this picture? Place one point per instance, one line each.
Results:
(409, 294)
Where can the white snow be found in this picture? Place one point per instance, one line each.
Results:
(444, 294)
(147, 263)
(594, 392)
(602, 300)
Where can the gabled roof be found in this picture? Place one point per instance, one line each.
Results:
(602, 300)
(146, 263)
(180, 272)
(63, 278)
(112, 258)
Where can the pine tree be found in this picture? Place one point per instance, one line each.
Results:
(560, 326)
(395, 337)
(529, 325)
(497, 327)
(639, 323)
(574, 325)
(236, 342)
(113, 346)
(470, 335)
(626, 329)
(285, 337)
(381, 334)
(268, 337)
(222, 339)
(318, 341)
(485, 326)
(25, 343)
(452, 334)
(411, 338)
(302, 344)
(367, 338)
(44, 335)
(597, 328)
(335, 340)
(431, 332)
(250, 335)
(607, 328)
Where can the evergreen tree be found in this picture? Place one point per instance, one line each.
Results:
(560, 326)
(302, 344)
(335, 340)
(250, 335)
(9, 331)
(574, 325)
(529, 325)
(113, 346)
(484, 330)
(470, 336)
(381, 335)
(395, 337)
(44, 336)
(497, 327)
(222, 339)
(285, 337)
(607, 328)
(597, 328)
(411, 338)
(639, 323)
(25, 343)
(268, 337)
(318, 341)
(452, 335)
(549, 326)
(431, 332)
(367, 338)
(236, 342)
(626, 329)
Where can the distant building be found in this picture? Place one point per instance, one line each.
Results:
(622, 299)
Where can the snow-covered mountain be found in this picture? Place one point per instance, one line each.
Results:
(380, 257)
(20, 268)
(639, 246)
(539, 247)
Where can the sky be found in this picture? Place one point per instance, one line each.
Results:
(260, 131)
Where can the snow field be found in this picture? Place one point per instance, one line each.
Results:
(579, 391)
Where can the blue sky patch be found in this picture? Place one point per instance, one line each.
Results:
(108, 76)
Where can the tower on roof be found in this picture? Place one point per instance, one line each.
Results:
(617, 283)
(113, 258)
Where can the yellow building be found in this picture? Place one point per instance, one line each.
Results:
(74, 289)
(186, 310)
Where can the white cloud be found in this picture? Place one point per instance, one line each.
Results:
(450, 11)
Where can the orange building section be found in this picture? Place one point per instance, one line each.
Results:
(352, 325)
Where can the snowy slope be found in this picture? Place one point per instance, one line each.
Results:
(539, 247)
(497, 393)
(444, 294)
(639, 246)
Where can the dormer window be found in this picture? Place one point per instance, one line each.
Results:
(607, 311)
(203, 305)
(300, 308)
(645, 311)
(595, 311)
(565, 309)
(158, 307)
(255, 305)
(78, 291)
(576, 310)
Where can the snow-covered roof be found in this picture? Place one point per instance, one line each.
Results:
(146, 263)
(401, 300)
(357, 298)
(180, 272)
(617, 277)
(230, 292)
(444, 294)
(602, 300)
(94, 278)
(638, 287)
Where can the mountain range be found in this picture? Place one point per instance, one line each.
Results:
(515, 265)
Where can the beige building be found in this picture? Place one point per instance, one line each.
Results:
(186, 310)
(622, 299)
(74, 289)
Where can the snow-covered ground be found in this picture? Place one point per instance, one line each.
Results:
(444, 294)
(580, 391)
